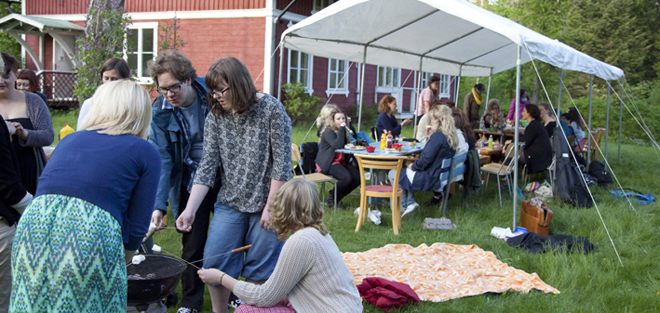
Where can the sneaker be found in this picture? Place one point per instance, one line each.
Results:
(409, 210)
(433, 202)
(186, 310)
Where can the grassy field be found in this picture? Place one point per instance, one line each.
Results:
(595, 282)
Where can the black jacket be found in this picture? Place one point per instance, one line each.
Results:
(538, 151)
(11, 188)
(329, 143)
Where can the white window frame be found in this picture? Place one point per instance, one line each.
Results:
(139, 27)
(445, 84)
(310, 70)
(317, 5)
(343, 89)
(395, 84)
(444, 90)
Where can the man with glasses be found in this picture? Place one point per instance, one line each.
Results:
(177, 130)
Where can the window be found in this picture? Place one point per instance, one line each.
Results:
(445, 82)
(321, 4)
(388, 78)
(300, 69)
(141, 48)
(337, 78)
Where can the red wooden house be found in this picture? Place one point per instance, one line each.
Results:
(212, 29)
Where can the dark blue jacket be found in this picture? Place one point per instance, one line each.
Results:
(385, 122)
(166, 134)
(428, 167)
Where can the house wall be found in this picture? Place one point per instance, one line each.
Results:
(35, 7)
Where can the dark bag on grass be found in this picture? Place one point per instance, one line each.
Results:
(309, 151)
(602, 176)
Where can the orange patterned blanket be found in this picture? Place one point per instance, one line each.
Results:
(442, 271)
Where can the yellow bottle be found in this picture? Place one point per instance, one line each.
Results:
(65, 131)
(383, 140)
(490, 142)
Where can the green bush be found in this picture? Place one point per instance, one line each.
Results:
(369, 115)
(299, 104)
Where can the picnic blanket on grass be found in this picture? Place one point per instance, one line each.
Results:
(442, 271)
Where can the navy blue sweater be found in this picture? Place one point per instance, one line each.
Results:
(429, 165)
(116, 173)
(385, 122)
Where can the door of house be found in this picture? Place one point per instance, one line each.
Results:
(62, 83)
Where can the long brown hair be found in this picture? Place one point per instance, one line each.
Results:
(384, 104)
(242, 94)
(462, 122)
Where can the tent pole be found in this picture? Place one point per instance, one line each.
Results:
(364, 63)
(458, 83)
(591, 93)
(488, 92)
(561, 83)
(279, 81)
(620, 117)
(514, 188)
(419, 86)
(607, 119)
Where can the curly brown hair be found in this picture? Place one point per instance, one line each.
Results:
(173, 62)
(295, 207)
(384, 104)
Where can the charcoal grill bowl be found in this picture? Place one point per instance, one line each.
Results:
(167, 272)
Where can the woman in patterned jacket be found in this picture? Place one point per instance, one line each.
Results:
(249, 134)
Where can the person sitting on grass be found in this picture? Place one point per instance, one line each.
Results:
(310, 274)
(424, 174)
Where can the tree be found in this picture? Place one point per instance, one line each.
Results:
(104, 38)
(7, 43)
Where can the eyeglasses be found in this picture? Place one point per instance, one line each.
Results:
(173, 89)
(216, 94)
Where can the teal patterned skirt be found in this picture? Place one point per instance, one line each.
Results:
(68, 256)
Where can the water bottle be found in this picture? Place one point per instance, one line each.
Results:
(481, 124)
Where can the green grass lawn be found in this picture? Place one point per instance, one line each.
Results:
(595, 282)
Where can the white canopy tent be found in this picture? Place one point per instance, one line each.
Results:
(451, 37)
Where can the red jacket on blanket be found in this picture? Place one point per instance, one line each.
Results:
(385, 294)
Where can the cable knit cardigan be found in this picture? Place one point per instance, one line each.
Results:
(43, 133)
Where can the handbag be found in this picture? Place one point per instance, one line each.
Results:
(535, 219)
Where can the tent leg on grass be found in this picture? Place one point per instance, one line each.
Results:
(591, 93)
(607, 120)
(516, 138)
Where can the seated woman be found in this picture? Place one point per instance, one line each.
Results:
(334, 136)
(310, 275)
(27, 81)
(113, 69)
(512, 108)
(424, 125)
(548, 118)
(424, 174)
(325, 111)
(537, 153)
(565, 120)
(577, 124)
(89, 212)
(386, 121)
(29, 114)
(494, 118)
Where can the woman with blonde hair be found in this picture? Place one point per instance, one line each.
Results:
(325, 111)
(425, 172)
(91, 210)
(310, 275)
(334, 135)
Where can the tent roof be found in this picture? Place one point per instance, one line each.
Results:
(25, 24)
(448, 34)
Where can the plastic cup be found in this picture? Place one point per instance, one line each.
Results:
(371, 149)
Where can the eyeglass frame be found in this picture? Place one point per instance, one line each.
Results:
(164, 91)
(220, 93)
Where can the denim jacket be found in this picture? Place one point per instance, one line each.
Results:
(169, 134)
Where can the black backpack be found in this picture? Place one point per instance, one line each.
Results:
(309, 151)
(597, 170)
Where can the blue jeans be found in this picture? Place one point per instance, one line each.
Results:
(407, 197)
(231, 229)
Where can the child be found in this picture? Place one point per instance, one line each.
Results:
(310, 275)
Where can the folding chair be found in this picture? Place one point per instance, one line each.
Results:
(314, 177)
(379, 191)
(448, 176)
(500, 170)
